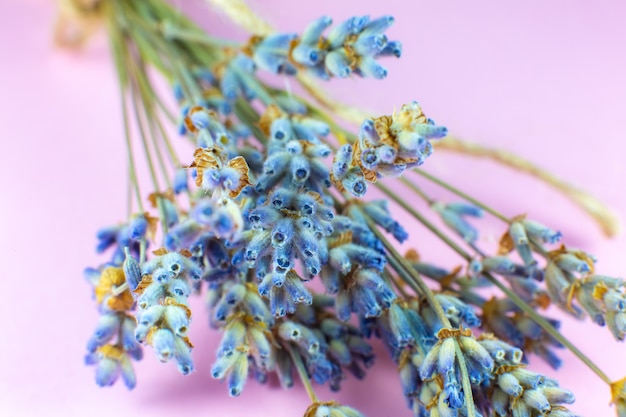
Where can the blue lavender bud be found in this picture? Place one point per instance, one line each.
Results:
(393, 48)
(369, 67)
(132, 271)
(452, 217)
(138, 226)
(338, 63)
(339, 34)
(540, 232)
(108, 326)
(106, 372)
(379, 212)
(314, 31)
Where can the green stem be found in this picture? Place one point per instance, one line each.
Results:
(536, 317)
(172, 32)
(391, 279)
(409, 209)
(548, 327)
(467, 386)
(406, 268)
(304, 376)
(463, 195)
(434, 304)
(417, 190)
(131, 158)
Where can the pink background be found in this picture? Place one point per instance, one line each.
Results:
(545, 80)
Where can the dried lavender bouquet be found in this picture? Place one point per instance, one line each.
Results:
(273, 197)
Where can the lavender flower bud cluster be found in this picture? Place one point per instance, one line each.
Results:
(268, 211)
(386, 146)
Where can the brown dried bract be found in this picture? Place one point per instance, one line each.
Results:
(248, 48)
(272, 113)
(143, 284)
(152, 198)
(159, 252)
(205, 158)
(169, 301)
(368, 174)
(312, 410)
(412, 255)
(343, 239)
(337, 183)
(446, 333)
(504, 369)
(240, 165)
(506, 244)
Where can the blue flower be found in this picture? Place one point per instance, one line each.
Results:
(286, 225)
(351, 47)
(125, 235)
(164, 315)
(378, 211)
(386, 146)
(111, 361)
(453, 215)
(244, 339)
(112, 343)
(236, 78)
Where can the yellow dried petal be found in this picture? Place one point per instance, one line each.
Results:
(111, 352)
(599, 290)
(109, 278)
(617, 390)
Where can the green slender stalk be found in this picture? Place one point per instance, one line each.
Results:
(304, 377)
(465, 381)
(131, 158)
(417, 190)
(406, 267)
(119, 57)
(391, 279)
(536, 317)
(461, 194)
(548, 328)
(404, 276)
(149, 117)
(172, 32)
(432, 301)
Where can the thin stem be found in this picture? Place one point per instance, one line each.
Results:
(120, 55)
(172, 32)
(467, 386)
(144, 140)
(548, 327)
(409, 209)
(131, 159)
(536, 317)
(302, 373)
(417, 190)
(389, 277)
(406, 267)
(404, 276)
(461, 194)
(150, 117)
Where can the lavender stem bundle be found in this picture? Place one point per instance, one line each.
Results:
(273, 197)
